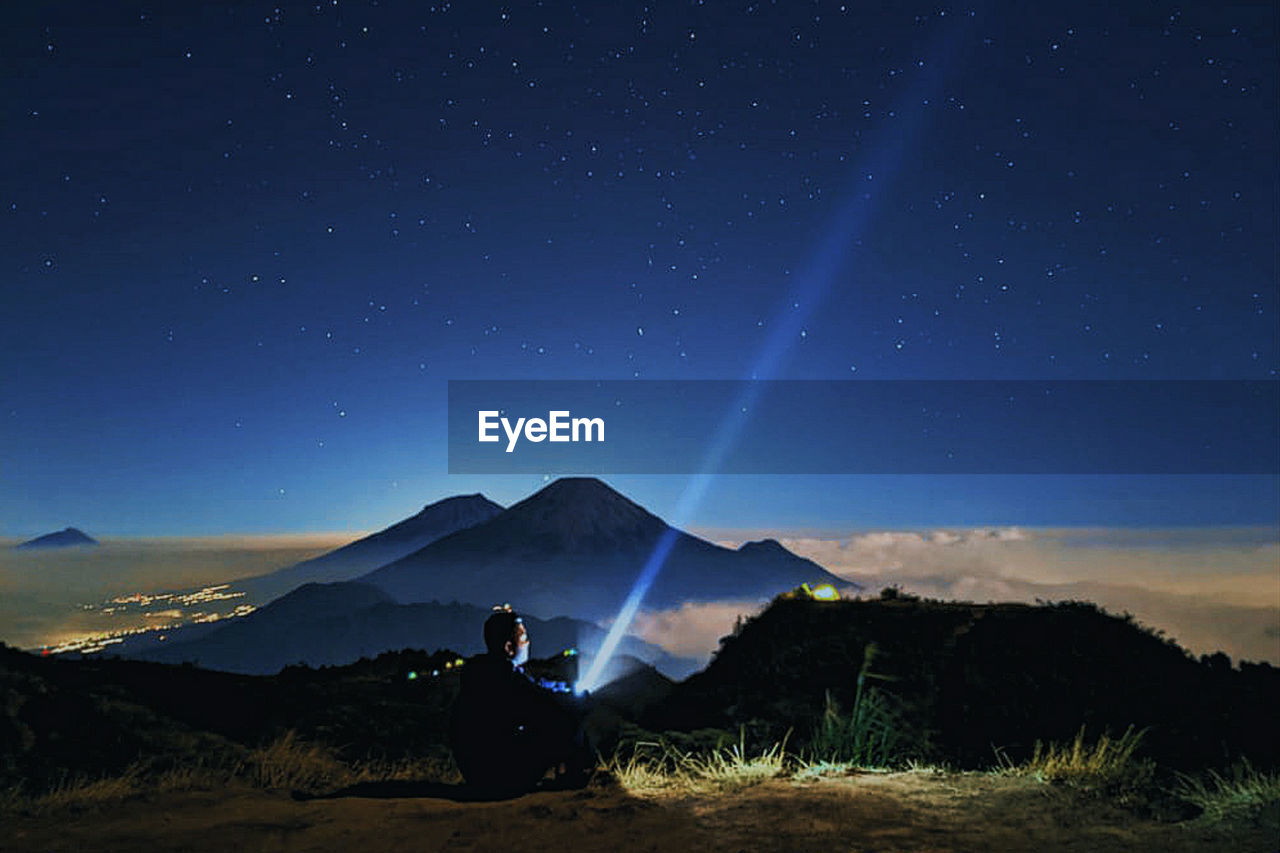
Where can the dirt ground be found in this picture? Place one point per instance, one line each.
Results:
(867, 812)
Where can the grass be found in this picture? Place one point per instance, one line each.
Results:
(810, 770)
(875, 733)
(1109, 766)
(732, 769)
(1242, 795)
(80, 792)
(806, 770)
(648, 768)
(660, 767)
(287, 763)
(1106, 766)
(653, 768)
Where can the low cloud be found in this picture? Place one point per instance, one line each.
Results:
(693, 629)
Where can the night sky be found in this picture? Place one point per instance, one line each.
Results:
(245, 245)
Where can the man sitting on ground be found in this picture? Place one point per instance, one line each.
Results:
(507, 730)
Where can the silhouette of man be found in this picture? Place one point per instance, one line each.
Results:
(507, 730)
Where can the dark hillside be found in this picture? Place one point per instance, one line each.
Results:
(971, 678)
(96, 716)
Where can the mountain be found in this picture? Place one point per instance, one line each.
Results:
(337, 623)
(68, 537)
(634, 690)
(576, 547)
(434, 521)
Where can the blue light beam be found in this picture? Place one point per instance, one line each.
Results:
(829, 257)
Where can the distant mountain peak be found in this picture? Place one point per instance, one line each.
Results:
(580, 488)
(64, 538)
(432, 522)
(763, 546)
(457, 502)
(581, 493)
(582, 512)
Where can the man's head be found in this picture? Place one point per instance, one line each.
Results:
(505, 635)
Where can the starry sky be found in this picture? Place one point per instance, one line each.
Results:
(245, 245)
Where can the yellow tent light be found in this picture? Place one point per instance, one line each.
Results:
(825, 592)
(821, 592)
(459, 662)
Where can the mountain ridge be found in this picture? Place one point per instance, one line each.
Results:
(432, 522)
(575, 548)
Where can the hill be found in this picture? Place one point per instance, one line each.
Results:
(960, 680)
(95, 715)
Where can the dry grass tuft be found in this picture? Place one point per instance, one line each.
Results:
(1078, 760)
(1106, 766)
(288, 763)
(1245, 794)
(657, 768)
(733, 769)
(74, 792)
(647, 770)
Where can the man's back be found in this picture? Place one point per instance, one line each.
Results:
(495, 696)
(506, 730)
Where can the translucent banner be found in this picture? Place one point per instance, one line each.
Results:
(864, 427)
